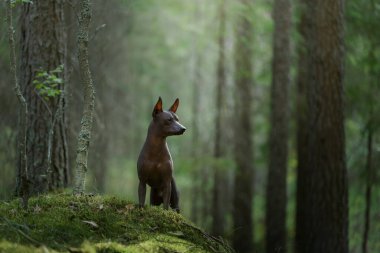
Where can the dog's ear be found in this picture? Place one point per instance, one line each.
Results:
(174, 107)
(157, 107)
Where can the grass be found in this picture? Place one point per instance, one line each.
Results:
(67, 223)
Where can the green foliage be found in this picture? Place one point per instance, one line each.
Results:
(362, 90)
(362, 84)
(108, 224)
(48, 83)
(356, 217)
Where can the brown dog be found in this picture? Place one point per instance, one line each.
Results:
(155, 165)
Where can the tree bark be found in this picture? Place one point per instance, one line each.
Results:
(84, 136)
(276, 197)
(243, 144)
(303, 179)
(324, 216)
(43, 47)
(219, 206)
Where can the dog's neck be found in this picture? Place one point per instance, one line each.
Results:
(155, 143)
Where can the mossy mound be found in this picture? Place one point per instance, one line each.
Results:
(67, 223)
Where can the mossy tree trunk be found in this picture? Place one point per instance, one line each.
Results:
(243, 191)
(43, 48)
(23, 190)
(276, 198)
(89, 97)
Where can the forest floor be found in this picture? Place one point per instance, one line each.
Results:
(67, 223)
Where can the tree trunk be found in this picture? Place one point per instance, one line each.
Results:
(197, 172)
(243, 186)
(196, 60)
(219, 206)
(84, 136)
(24, 183)
(368, 190)
(324, 216)
(303, 178)
(370, 137)
(43, 48)
(278, 138)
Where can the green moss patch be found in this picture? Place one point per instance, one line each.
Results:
(67, 223)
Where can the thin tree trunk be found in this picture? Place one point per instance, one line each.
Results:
(243, 146)
(368, 190)
(24, 190)
(197, 197)
(219, 205)
(276, 197)
(303, 179)
(56, 177)
(89, 97)
(197, 173)
(370, 132)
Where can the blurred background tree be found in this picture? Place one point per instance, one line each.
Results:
(276, 200)
(140, 50)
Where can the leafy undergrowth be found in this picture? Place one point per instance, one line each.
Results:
(67, 223)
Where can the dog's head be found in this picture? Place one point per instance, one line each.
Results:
(167, 122)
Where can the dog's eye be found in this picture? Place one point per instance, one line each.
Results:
(170, 119)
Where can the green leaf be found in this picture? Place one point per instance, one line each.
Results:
(59, 69)
(50, 93)
(39, 74)
(57, 80)
(39, 86)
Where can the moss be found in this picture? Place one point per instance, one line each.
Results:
(97, 224)
(8, 247)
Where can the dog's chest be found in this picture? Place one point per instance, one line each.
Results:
(156, 173)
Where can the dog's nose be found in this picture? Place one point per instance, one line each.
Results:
(183, 129)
